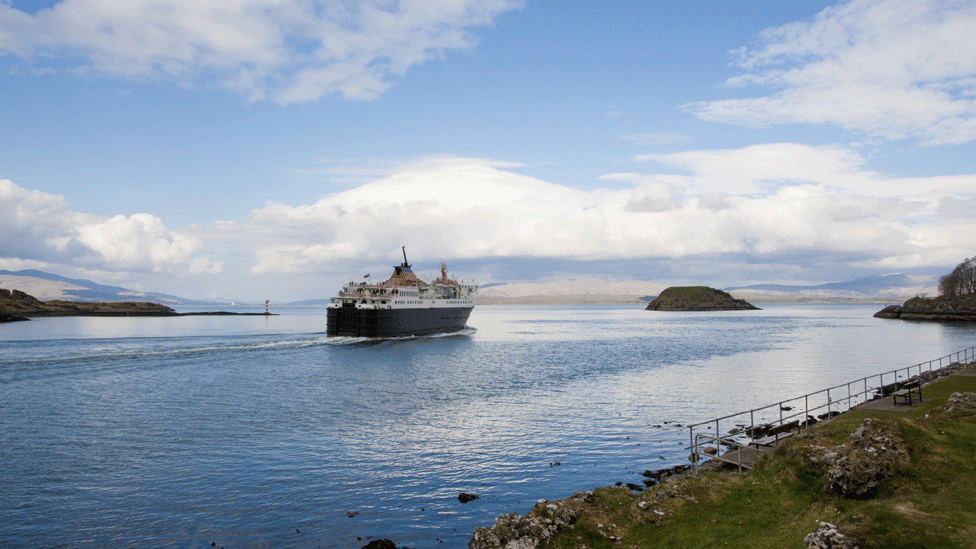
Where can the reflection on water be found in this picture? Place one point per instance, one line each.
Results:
(261, 432)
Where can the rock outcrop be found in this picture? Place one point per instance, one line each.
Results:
(856, 469)
(697, 298)
(961, 401)
(826, 536)
(956, 308)
(513, 531)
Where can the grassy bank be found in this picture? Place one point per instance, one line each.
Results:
(930, 503)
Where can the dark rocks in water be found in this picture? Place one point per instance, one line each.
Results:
(464, 498)
(661, 474)
(784, 428)
(11, 318)
(758, 431)
(635, 487)
(697, 298)
(891, 311)
(380, 544)
(944, 308)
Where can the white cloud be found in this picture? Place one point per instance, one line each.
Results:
(286, 50)
(461, 208)
(204, 265)
(40, 227)
(887, 68)
(760, 168)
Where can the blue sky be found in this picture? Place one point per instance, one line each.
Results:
(255, 148)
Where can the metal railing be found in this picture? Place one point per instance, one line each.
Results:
(788, 415)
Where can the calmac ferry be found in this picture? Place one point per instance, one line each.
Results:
(403, 305)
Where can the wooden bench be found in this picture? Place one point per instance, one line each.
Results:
(911, 394)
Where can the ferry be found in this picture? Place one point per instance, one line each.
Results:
(402, 305)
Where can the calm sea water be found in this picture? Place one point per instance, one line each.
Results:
(262, 432)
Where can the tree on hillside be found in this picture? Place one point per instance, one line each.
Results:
(961, 281)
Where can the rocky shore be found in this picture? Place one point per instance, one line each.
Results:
(697, 298)
(860, 468)
(957, 308)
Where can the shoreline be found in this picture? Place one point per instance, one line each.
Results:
(547, 520)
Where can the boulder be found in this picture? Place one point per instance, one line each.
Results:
(826, 536)
(891, 311)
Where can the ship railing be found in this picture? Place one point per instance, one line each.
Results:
(787, 416)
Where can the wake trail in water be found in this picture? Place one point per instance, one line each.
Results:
(73, 356)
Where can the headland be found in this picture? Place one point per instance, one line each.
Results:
(16, 305)
(961, 308)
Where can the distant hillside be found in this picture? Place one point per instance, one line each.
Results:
(587, 287)
(46, 286)
(890, 285)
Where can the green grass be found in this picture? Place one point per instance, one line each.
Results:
(931, 503)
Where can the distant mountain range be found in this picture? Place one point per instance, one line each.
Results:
(881, 286)
(589, 286)
(47, 286)
(896, 285)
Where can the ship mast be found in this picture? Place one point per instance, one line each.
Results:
(405, 264)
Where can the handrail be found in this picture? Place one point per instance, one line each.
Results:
(719, 441)
(834, 403)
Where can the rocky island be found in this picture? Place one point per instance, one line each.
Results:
(16, 305)
(697, 298)
(943, 308)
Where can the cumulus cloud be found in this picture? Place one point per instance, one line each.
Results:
(463, 208)
(40, 227)
(285, 50)
(887, 68)
(757, 169)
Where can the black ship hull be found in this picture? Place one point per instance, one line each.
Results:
(355, 322)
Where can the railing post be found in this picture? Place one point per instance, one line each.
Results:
(806, 409)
